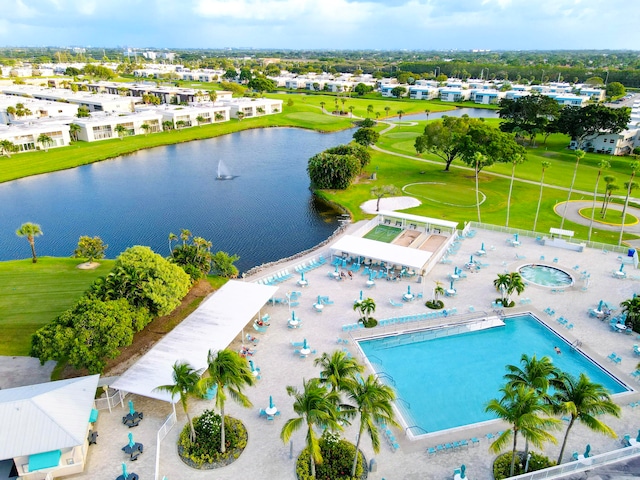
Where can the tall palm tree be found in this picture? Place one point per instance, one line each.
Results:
(427, 112)
(609, 181)
(514, 161)
(230, 372)
(121, 130)
(533, 373)
(387, 109)
(172, 238)
(7, 147)
(400, 113)
(185, 384)
(351, 107)
(315, 407)
(501, 283)
(521, 407)
(602, 165)
(372, 402)
(545, 164)
(322, 104)
(630, 186)
(579, 155)
(631, 307)
(437, 291)
(370, 110)
(516, 284)
(338, 370)
(30, 231)
(74, 129)
(184, 236)
(479, 160)
(366, 307)
(583, 400)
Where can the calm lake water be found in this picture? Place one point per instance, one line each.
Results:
(266, 213)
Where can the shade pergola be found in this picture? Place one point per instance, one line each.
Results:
(386, 252)
(212, 326)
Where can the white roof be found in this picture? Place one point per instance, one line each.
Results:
(212, 326)
(387, 252)
(45, 417)
(419, 219)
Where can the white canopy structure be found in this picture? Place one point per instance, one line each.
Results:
(419, 220)
(213, 326)
(45, 417)
(387, 252)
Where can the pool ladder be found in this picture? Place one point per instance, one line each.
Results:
(415, 426)
(576, 344)
(386, 376)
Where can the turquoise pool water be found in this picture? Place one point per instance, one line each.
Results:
(446, 382)
(546, 275)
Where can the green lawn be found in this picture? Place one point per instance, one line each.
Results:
(32, 295)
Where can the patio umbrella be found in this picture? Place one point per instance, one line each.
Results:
(251, 365)
(482, 247)
(304, 344)
(125, 475)
(451, 285)
(471, 259)
(621, 266)
(638, 437)
(600, 306)
(302, 276)
(271, 402)
(336, 270)
(360, 295)
(587, 451)
(131, 409)
(293, 314)
(408, 289)
(515, 235)
(462, 471)
(371, 275)
(318, 303)
(131, 442)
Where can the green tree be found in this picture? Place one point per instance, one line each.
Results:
(398, 91)
(545, 164)
(615, 90)
(442, 138)
(83, 112)
(338, 370)
(7, 147)
(359, 151)
(501, 283)
(45, 140)
(322, 104)
(200, 119)
(146, 127)
(239, 115)
(387, 109)
(369, 110)
(121, 130)
(610, 187)
(631, 307)
(261, 84)
(230, 373)
(315, 407)
(186, 385)
(90, 248)
(520, 407)
(167, 125)
(222, 264)
(74, 130)
(602, 165)
(630, 185)
(30, 231)
(583, 124)
(373, 404)
(530, 114)
(579, 156)
(400, 114)
(383, 191)
(366, 307)
(583, 401)
(366, 136)
(332, 171)
(362, 89)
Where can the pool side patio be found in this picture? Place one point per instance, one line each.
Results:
(267, 457)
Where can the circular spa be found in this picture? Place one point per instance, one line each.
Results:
(546, 275)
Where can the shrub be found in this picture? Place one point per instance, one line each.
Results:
(502, 464)
(369, 322)
(434, 304)
(357, 150)
(205, 452)
(337, 457)
(329, 170)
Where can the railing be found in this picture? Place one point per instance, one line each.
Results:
(415, 426)
(386, 376)
(162, 432)
(582, 465)
(108, 401)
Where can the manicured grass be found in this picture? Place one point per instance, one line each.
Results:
(31, 295)
(612, 217)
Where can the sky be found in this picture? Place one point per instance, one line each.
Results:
(324, 24)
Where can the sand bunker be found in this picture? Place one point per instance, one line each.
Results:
(390, 203)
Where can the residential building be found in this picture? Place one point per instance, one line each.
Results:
(254, 107)
(33, 109)
(25, 135)
(102, 126)
(451, 94)
(423, 92)
(187, 116)
(621, 143)
(487, 97)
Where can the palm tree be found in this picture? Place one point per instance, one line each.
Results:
(184, 236)
(45, 140)
(631, 307)
(240, 115)
(315, 407)
(609, 181)
(387, 109)
(427, 112)
(602, 165)
(537, 374)
(218, 116)
(200, 119)
(230, 372)
(372, 402)
(630, 186)
(185, 384)
(322, 104)
(545, 164)
(74, 129)
(479, 160)
(400, 113)
(7, 147)
(377, 115)
(501, 283)
(366, 307)
(351, 107)
(583, 400)
(369, 110)
(31, 231)
(579, 155)
(521, 407)
(437, 291)
(121, 130)
(514, 161)
(338, 370)
(172, 238)
(146, 127)
(516, 284)
(213, 95)
(167, 125)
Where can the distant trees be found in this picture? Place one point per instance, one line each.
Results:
(261, 84)
(398, 91)
(529, 115)
(362, 89)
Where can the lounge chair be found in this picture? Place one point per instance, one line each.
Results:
(395, 304)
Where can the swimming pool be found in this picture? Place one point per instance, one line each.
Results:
(446, 382)
(545, 275)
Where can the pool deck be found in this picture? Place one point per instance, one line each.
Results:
(266, 457)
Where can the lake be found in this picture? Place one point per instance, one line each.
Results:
(266, 213)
